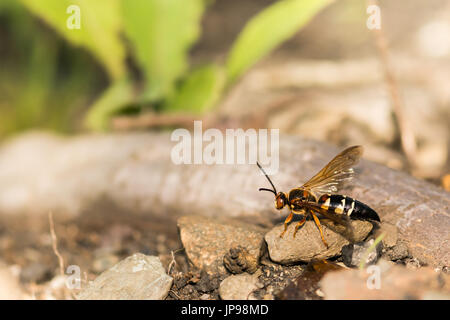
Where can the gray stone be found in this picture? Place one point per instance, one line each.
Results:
(353, 253)
(307, 244)
(239, 287)
(138, 277)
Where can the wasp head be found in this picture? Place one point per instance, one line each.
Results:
(280, 200)
(280, 197)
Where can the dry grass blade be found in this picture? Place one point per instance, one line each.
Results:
(55, 244)
(362, 264)
(406, 133)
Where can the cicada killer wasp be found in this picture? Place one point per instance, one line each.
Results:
(315, 196)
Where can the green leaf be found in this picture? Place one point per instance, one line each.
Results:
(100, 24)
(199, 91)
(267, 30)
(113, 99)
(161, 33)
(6, 4)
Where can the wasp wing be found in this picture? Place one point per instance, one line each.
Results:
(342, 219)
(345, 228)
(338, 170)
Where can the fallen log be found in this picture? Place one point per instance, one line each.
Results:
(40, 172)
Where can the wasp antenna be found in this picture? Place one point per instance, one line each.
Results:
(264, 189)
(274, 189)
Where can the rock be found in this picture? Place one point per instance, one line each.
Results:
(397, 252)
(207, 240)
(205, 296)
(390, 234)
(10, 288)
(138, 277)
(239, 260)
(307, 244)
(353, 253)
(239, 287)
(384, 281)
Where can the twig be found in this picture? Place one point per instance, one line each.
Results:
(407, 138)
(173, 262)
(179, 298)
(151, 119)
(55, 244)
(56, 251)
(253, 118)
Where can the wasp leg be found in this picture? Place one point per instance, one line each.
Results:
(316, 220)
(299, 224)
(288, 219)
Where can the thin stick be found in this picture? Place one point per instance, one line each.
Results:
(173, 262)
(151, 119)
(406, 133)
(55, 243)
(179, 298)
(213, 119)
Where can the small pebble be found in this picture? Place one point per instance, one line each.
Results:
(352, 254)
(138, 277)
(205, 296)
(239, 287)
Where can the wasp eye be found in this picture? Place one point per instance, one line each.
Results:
(280, 203)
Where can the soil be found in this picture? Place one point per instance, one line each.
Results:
(99, 238)
(102, 236)
(94, 241)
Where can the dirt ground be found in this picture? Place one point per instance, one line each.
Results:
(98, 239)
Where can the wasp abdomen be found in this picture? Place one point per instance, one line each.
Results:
(339, 204)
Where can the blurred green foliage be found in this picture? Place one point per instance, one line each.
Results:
(125, 53)
(267, 30)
